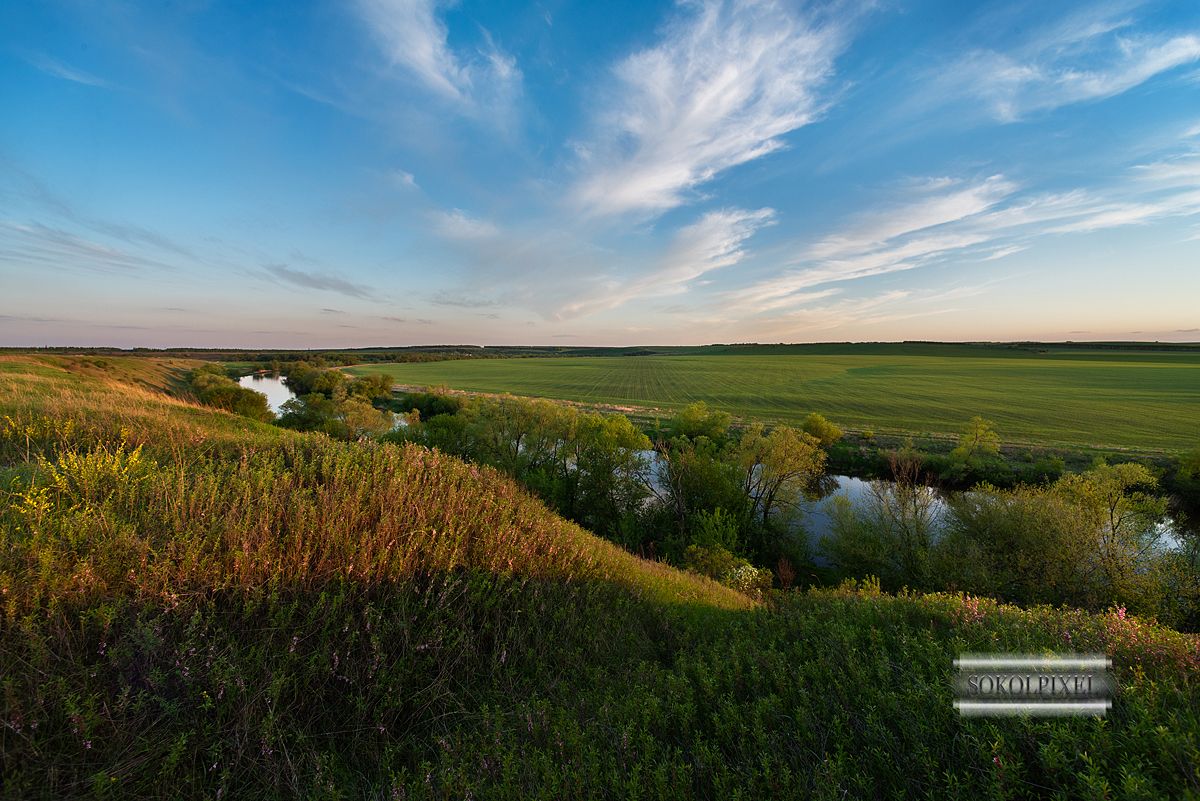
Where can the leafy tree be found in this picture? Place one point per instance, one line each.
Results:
(1089, 540)
(519, 436)
(311, 412)
(1027, 545)
(697, 420)
(827, 433)
(979, 440)
(1188, 465)
(376, 387)
(693, 477)
(212, 386)
(445, 432)
(893, 536)
(1184, 481)
(342, 417)
(361, 419)
(331, 383)
(613, 474)
(430, 404)
(777, 467)
(716, 529)
(1117, 503)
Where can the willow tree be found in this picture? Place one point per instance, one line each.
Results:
(777, 467)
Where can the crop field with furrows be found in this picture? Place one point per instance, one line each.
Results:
(1142, 401)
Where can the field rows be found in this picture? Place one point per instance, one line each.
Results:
(1150, 401)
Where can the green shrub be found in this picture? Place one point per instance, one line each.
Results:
(828, 433)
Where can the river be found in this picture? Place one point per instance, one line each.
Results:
(272, 386)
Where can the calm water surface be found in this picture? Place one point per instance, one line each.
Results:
(272, 386)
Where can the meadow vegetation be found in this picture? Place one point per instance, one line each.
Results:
(197, 604)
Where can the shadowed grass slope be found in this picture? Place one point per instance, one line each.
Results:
(196, 605)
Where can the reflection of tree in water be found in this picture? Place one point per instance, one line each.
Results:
(822, 487)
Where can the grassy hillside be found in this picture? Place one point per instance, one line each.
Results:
(196, 605)
(1141, 401)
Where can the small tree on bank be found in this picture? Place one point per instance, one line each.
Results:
(978, 441)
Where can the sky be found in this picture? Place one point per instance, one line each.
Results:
(353, 173)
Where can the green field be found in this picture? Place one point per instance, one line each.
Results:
(1147, 401)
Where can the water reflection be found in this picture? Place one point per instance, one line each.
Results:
(272, 386)
(816, 513)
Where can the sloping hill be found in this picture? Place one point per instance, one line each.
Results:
(196, 605)
(291, 510)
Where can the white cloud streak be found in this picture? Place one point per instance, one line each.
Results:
(985, 221)
(457, 225)
(711, 243)
(727, 81)
(416, 40)
(58, 69)
(1083, 58)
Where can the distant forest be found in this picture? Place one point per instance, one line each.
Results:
(422, 353)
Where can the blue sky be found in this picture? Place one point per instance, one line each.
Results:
(389, 172)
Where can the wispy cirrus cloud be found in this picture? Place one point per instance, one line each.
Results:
(404, 179)
(463, 301)
(1183, 170)
(1083, 57)
(47, 246)
(945, 220)
(928, 204)
(20, 187)
(414, 39)
(713, 242)
(456, 224)
(327, 282)
(727, 81)
(900, 236)
(58, 69)
(508, 269)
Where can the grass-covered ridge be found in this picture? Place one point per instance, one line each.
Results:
(289, 510)
(195, 604)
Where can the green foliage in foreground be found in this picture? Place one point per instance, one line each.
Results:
(193, 605)
(1144, 401)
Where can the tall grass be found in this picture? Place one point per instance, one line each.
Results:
(116, 478)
